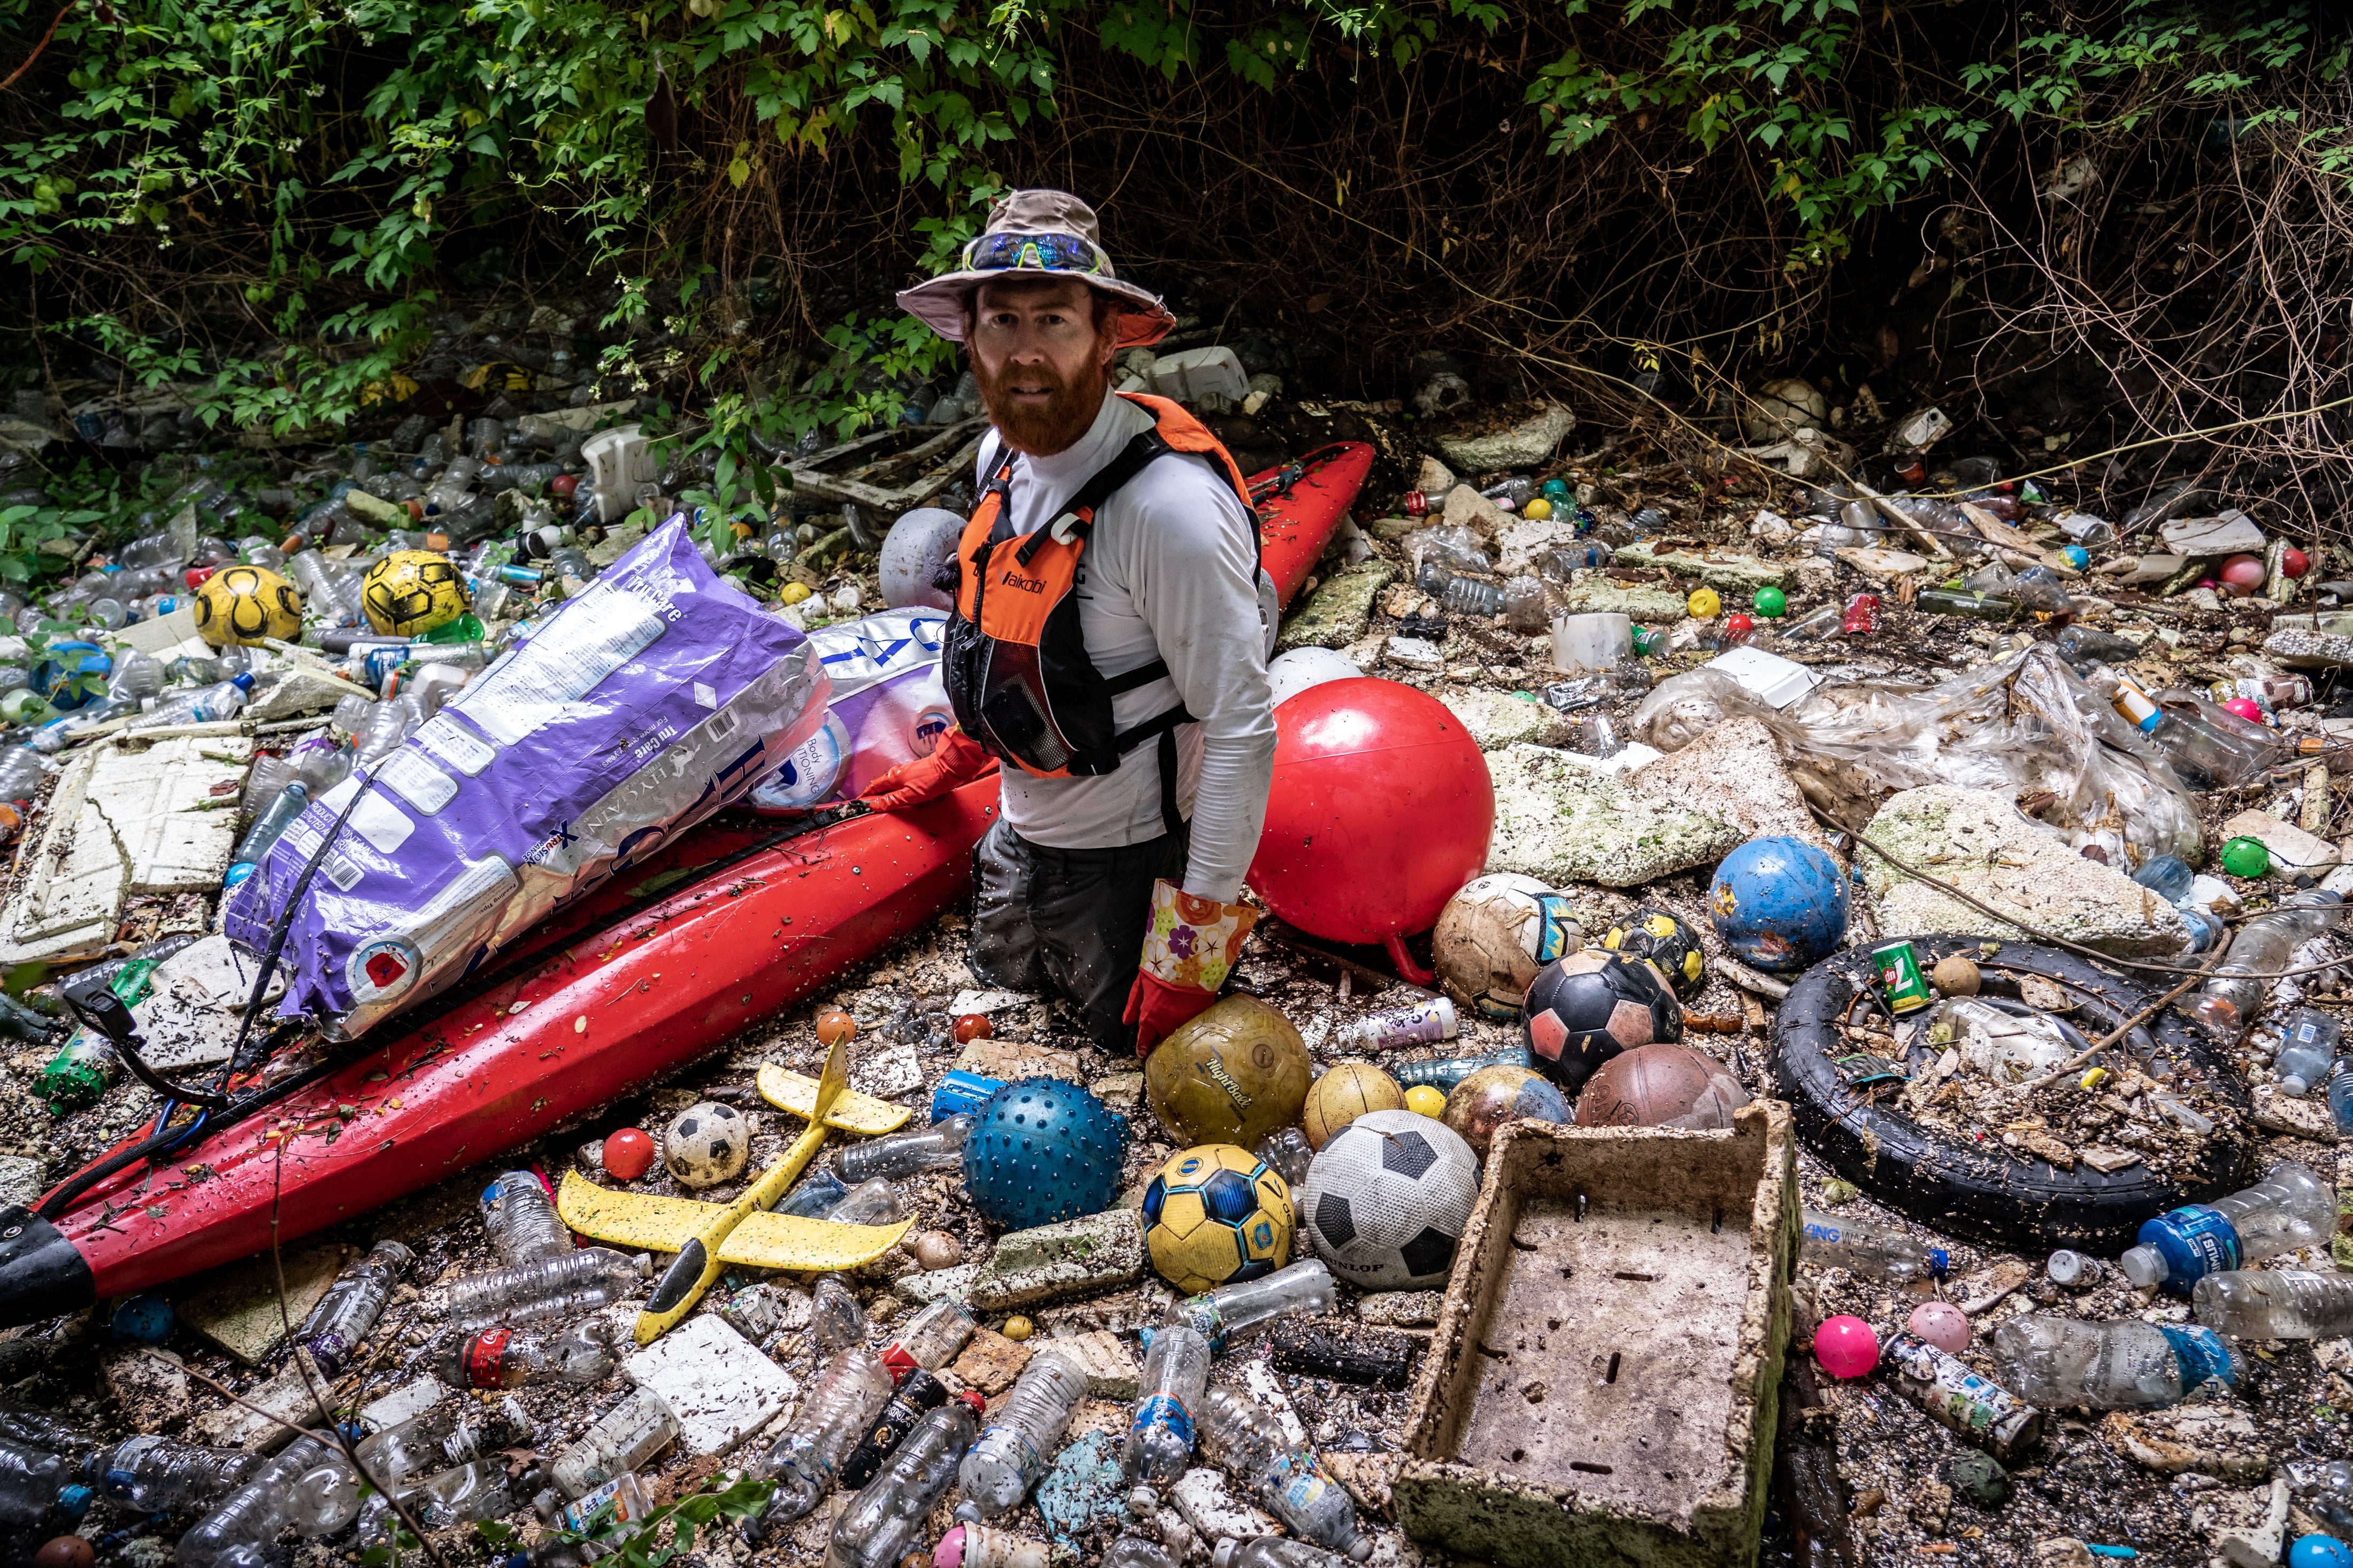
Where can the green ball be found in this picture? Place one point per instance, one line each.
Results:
(1771, 601)
(2246, 858)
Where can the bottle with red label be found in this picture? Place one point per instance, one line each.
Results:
(502, 1357)
(1862, 616)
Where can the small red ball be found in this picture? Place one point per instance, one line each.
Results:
(2293, 562)
(973, 1026)
(66, 1552)
(628, 1154)
(834, 1025)
(564, 484)
(1739, 626)
(2246, 708)
(1845, 1346)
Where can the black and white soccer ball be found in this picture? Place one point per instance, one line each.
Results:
(1387, 1199)
(707, 1144)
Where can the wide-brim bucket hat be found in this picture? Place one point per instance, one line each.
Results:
(1038, 234)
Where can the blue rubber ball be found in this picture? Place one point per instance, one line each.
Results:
(70, 674)
(1044, 1151)
(1779, 904)
(2319, 1551)
(144, 1321)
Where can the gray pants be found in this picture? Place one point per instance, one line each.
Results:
(1068, 920)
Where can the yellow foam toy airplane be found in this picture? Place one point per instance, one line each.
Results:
(707, 1237)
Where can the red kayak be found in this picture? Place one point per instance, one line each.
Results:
(758, 922)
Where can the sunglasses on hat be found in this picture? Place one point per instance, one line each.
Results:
(1032, 253)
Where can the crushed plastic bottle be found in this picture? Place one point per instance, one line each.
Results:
(931, 1339)
(521, 1292)
(621, 1441)
(477, 1490)
(152, 1473)
(2274, 1304)
(350, 1308)
(1012, 1452)
(292, 800)
(1287, 1151)
(211, 705)
(1244, 1437)
(2120, 1365)
(1275, 1551)
(308, 1484)
(2308, 1049)
(1139, 1552)
(521, 1219)
(837, 1320)
(851, 1393)
(901, 1154)
(884, 1521)
(1221, 1314)
(919, 1394)
(1458, 592)
(451, 1433)
(2289, 1208)
(1442, 1073)
(500, 1357)
(1160, 1438)
(1876, 1252)
(2229, 1003)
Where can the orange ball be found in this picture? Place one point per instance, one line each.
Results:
(628, 1154)
(66, 1552)
(973, 1026)
(834, 1025)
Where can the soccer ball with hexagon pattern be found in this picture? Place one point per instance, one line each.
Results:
(1215, 1214)
(1494, 934)
(1386, 1200)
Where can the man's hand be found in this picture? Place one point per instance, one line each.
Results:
(959, 759)
(1189, 946)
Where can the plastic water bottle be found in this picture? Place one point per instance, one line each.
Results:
(32, 1483)
(1274, 1551)
(293, 800)
(1221, 1314)
(351, 1305)
(307, 1484)
(451, 1433)
(623, 1439)
(1160, 1439)
(2274, 1304)
(2340, 1097)
(521, 1219)
(815, 1195)
(22, 774)
(522, 1292)
(2308, 1049)
(1139, 1552)
(931, 1148)
(2287, 1209)
(209, 706)
(976, 1546)
(804, 1463)
(918, 1395)
(931, 1339)
(1286, 1149)
(152, 1473)
(878, 1202)
(500, 1357)
(1458, 593)
(884, 1521)
(1874, 1251)
(1244, 1436)
(2167, 876)
(477, 1490)
(1011, 1455)
(2230, 1001)
(41, 1432)
(836, 1319)
(2120, 1365)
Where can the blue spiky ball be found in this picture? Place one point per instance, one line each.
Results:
(1044, 1151)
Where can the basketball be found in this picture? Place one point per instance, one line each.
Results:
(1660, 1086)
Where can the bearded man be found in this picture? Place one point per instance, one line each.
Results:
(1108, 647)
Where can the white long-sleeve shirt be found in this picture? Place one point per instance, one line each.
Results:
(1170, 573)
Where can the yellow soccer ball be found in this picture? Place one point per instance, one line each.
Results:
(412, 592)
(1213, 1215)
(244, 605)
(1342, 1095)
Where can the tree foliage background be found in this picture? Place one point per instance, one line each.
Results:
(2101, 221)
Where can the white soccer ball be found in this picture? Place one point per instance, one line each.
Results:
(1492, 937)
(1386, 1200)
(707, 1144)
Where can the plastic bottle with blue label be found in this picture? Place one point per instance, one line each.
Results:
(2290, 1209)
(1874, 1251)
(1160, 1439)
(2121, 1364)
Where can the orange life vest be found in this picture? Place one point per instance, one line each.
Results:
(1015, 666)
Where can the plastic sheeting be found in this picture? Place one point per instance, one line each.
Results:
(2025, 726)
(631, 713)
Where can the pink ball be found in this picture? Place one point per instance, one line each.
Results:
(1942, 1324)
(1845, 1346)
(2243, 575)
(2293, 562)
(2246, 708)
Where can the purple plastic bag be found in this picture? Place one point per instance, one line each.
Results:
(631, 713)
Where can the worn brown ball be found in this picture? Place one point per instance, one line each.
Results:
(1956, 976)
(936, 1249)
(66, 1552)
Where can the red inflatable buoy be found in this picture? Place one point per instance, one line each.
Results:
(1379, 811)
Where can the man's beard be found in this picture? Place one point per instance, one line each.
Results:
(1040, 431)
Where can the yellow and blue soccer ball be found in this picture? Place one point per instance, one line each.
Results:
(412, 592)
(1213, 1215)
(244, 605)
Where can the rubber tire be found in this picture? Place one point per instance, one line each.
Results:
(1981, 1192)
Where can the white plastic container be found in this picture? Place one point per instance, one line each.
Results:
(1587, 642)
